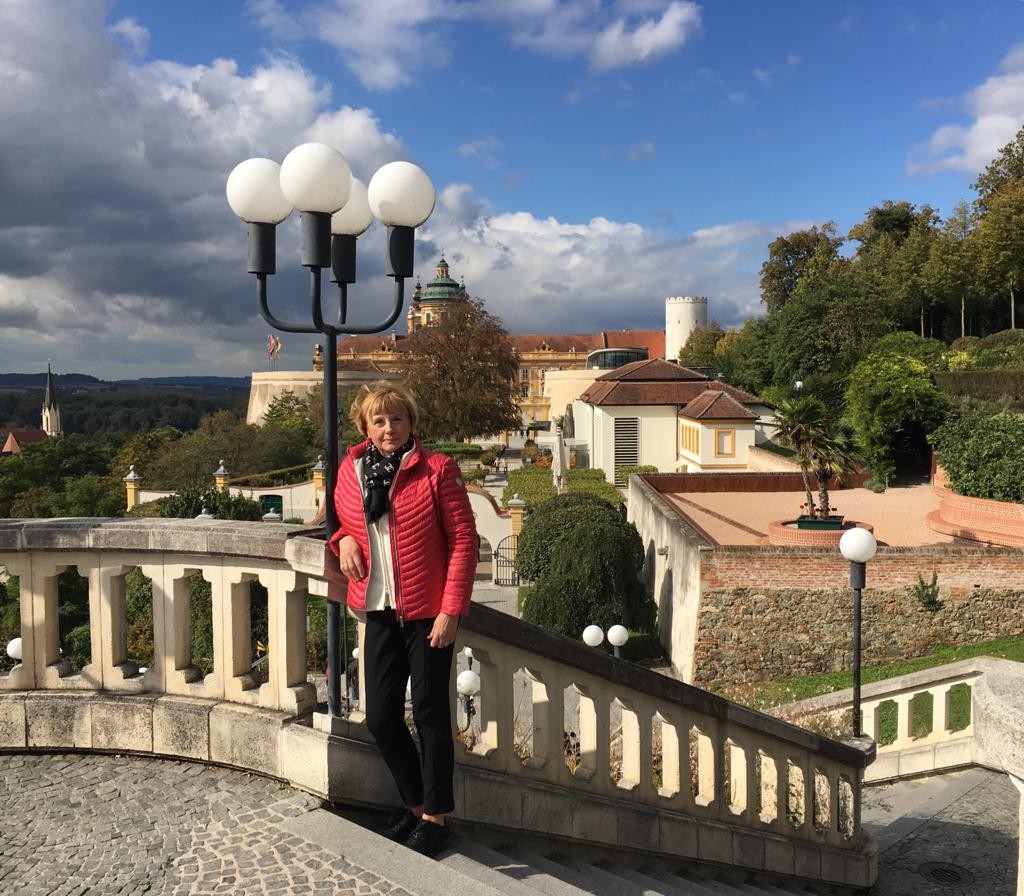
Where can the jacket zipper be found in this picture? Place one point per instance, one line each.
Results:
(393, 539)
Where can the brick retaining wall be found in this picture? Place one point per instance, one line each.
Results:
(768, 613)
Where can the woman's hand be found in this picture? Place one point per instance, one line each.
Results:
(443, 632)
(350, 558)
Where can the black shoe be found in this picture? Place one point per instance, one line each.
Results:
(428, 838)
(399, 826)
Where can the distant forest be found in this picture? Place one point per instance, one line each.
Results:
(128, 409)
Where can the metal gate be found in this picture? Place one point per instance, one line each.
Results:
(505, 565)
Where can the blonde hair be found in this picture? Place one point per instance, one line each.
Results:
(382, 397)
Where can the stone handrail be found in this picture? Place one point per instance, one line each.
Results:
(939, 746)
(650, 763)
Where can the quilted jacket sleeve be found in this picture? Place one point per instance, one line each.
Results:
(463, 543)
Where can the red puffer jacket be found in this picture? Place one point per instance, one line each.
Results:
(433, 535)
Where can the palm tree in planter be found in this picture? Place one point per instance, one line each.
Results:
(823, 445)
(832, 456)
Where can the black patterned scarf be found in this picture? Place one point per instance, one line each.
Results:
(378, 472)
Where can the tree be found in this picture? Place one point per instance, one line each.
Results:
(1000, 240)
(950, 273)
(801, 424)
(1005, 169)
(699, 350)
(463, 371)
(893, 404)
(792, 257)
(890, 223)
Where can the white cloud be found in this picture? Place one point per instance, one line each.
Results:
(385, 42)
(547, 275)
(113, 176)
(997, 109)
(482, 151)
(619, 45)
(642, 149)
(135, 36)
(771, 75)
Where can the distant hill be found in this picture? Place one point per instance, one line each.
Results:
(71, 382)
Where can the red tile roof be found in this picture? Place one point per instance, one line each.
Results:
(652, 370)
(582, 343)
(656, 382)
(714, 404)
(17, 437)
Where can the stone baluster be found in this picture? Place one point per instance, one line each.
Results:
(287, 687)
(940, 710)
(903, 719)
(118, 672)
(869, 716)
(23, 675)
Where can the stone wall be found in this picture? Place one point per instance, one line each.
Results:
(767, 613)
(743, 613)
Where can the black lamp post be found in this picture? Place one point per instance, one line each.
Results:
(858, 546)
(336, 208)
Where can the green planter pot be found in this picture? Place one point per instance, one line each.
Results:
(813, 522)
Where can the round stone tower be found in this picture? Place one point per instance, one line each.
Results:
(683, 315)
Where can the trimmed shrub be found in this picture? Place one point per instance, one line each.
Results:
(551, 520)
(988, 385)
(457, 450)
(536, 485)
(189, 503)
(983, 455)
(586, 571)
(624, 471)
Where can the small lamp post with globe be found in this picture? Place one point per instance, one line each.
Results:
(336, 208)
(858, 546)
(618, 635)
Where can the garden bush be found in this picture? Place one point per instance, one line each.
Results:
(535, 485)
(587, 570)
(457, 450)
(983, 455)
(551, 520)
(624, 471)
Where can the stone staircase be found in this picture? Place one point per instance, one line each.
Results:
(470, 868)
(520, 872)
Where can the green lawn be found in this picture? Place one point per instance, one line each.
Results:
(766, 694)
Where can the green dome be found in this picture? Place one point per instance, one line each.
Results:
(442, 288)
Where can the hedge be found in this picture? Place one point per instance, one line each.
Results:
(535, 485)
(457, 450)
(987, 385)
(983, 455)
(586, 562)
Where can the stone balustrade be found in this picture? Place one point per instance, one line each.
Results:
(565, 741)
(923, 725)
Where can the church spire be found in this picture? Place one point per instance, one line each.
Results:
(51, 411)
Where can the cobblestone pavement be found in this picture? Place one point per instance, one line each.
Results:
(967, 849)
(80, 824)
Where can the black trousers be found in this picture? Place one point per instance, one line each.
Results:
(394, 654)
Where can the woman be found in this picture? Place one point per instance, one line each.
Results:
(407, 544)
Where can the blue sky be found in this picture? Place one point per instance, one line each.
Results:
(591, 157)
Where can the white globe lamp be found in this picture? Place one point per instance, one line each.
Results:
(592, 635)
(316, 178)
(254, 192)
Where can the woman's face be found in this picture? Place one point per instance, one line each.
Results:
(388, 430)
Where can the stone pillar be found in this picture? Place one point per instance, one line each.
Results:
(517, 508)
(220, 478)
(319, 482)
(131, 485)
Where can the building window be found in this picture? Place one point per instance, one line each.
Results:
(725, 443)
